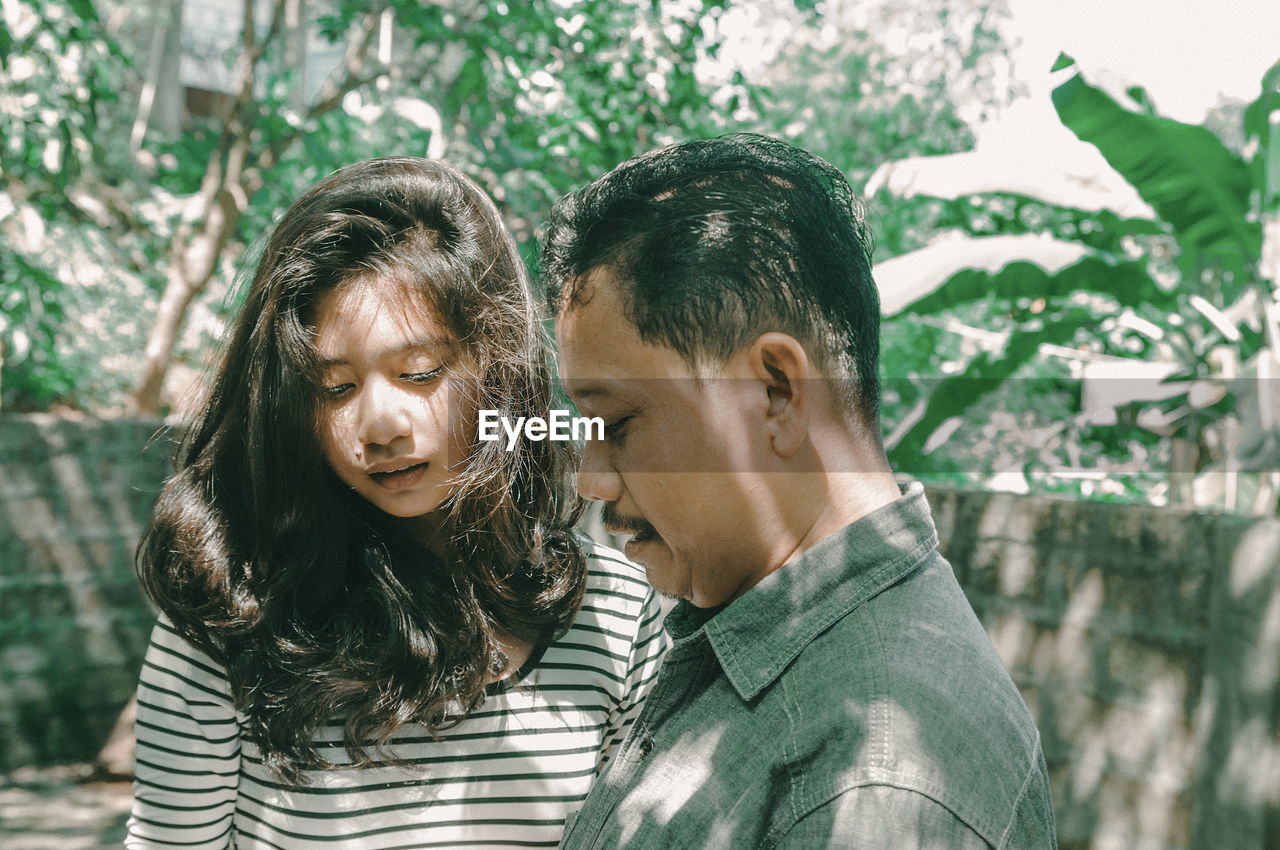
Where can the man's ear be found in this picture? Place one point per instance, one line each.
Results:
(779, 362)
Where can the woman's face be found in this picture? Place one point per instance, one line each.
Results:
(387, 419)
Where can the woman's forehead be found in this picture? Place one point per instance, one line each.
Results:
(374, 306)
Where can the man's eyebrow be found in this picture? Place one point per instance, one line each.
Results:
(590, 391)
(584, 390)
(430, 344)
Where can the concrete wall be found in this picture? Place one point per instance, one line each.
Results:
(1146, 642)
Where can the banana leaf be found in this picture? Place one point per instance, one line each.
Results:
(956, 394)
(1194, 183)
(928, 281)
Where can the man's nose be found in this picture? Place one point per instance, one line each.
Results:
(597, 478)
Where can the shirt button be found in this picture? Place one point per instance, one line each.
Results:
(646, 746)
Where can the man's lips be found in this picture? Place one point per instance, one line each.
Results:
(637, 536)
(634, 548)
(641, 531)
(398, 475)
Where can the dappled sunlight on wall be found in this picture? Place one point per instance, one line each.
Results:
(1145, 642)
(73, 625)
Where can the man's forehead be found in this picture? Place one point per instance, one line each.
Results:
(583, 289)
(602, 355)
(591, 327)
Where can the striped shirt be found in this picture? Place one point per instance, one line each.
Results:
(506, 776)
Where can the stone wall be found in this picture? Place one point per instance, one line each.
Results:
(1146, 642)
(73, 624)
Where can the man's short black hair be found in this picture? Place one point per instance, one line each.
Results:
(714, 242)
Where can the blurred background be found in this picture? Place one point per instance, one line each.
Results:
(1077, 215)
(1077, 264)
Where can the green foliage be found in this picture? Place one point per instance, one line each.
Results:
(59, 77)
(56, 79)
(1194, 183)
(1122, 283)
(551, 96)
(33, 316)
(531, 99)
(1178, 298)
(535, 99)
(843, 91)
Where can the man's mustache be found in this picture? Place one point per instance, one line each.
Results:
(616, 523)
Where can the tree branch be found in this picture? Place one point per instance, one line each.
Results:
(349, 72)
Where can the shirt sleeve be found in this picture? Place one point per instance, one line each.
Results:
(188, 750)
(875, 816)
(642, 669)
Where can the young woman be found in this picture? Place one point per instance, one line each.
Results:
(377, 630)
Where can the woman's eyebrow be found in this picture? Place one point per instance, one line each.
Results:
(430, 344)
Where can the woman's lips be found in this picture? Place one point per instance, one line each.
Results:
(401, 478)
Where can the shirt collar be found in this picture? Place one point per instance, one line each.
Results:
(757, 635)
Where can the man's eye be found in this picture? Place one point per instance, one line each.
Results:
(423, 377)
(617, 429)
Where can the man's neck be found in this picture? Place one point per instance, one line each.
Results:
(850, 497)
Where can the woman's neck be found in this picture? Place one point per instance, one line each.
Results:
(516, 654)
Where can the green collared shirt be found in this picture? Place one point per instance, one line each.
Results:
(851, 699)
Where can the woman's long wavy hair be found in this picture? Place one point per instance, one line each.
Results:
(318, 608)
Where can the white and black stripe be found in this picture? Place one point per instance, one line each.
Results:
(507, 776)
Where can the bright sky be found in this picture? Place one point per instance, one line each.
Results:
(1186, 53)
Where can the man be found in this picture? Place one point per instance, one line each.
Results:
(828, 684)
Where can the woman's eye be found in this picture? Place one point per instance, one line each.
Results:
(337, 390)
(423, 377)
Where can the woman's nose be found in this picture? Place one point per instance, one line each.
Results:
(384, 414)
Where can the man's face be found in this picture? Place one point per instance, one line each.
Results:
(681, 463)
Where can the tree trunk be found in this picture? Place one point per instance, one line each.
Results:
(170, 103)
(160, 103)
(295, 51)
(193, 260)
(115, 759)
(235, 172)
(182, 286)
